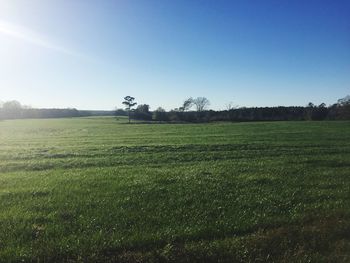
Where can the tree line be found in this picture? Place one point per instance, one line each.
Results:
(191, 110)
(15, 110)
(196, 110)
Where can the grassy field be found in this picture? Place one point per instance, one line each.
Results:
(97, 190)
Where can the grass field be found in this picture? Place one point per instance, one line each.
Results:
(97, 190)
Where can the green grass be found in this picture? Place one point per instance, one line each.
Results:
(97, 190)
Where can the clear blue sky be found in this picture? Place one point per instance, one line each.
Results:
(90, 54)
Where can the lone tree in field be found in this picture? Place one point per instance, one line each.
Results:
(201, 103)
(129, 103)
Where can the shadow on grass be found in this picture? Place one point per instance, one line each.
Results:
(314, 238)
(158, 122)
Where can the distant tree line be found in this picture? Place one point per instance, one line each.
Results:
(337, 111)
(191, 110)
(14, 110)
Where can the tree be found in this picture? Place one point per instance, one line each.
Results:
(344, 108)
(344, 101)
(142, 112)
(12, 105)
(160, 114)
(201, 103)
(143, 108)
(310, 105)
(129, 103)
(187, 104)
(229, 106)
(12, 109)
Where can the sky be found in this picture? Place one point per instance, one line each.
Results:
(89, 54)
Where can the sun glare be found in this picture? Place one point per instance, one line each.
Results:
(28, 36)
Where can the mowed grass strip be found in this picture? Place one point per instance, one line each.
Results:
(97, 189)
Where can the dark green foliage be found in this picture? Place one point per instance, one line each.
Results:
(160, 115)
(142, 113)
(93, 190)
(44, 113)
(14, 110)
(335, 112)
